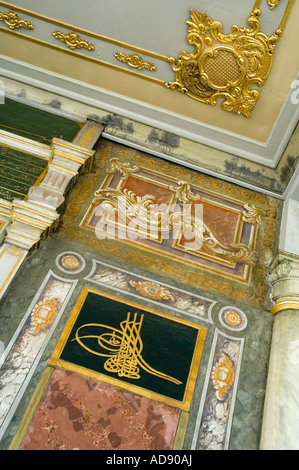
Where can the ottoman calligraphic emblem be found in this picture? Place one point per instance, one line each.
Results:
(223, 376)
(123, 348)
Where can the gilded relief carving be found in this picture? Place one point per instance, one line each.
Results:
(227, 209)
(273, 3)
(151, 290)
(43, 314)
(224, 66)
(12, 20)
(223, 376)
(143, 216)
(73, 41)
(135, 61)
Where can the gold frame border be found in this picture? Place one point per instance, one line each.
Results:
(194, 366)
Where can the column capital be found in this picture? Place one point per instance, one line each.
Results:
(284, 280)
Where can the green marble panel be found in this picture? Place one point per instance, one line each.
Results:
(18, 172)
(35, 124)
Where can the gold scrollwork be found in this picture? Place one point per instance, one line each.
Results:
(135, 61)
(43, 314)
(12, 20)
(73, 41)
(273, 3)
(151, 290)
(252, 214)
(223, 376)
(225, 66)
(140, 212)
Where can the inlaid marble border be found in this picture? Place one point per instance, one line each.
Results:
(175, 299)
(22, 354)
(215, 414)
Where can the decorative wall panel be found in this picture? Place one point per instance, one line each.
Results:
(77, 412)
(139, 286)
(216, 411)
(139, 349)
(174, 222)
(22, 354)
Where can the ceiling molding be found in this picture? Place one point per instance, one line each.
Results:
(267, 154)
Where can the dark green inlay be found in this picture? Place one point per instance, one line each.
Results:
(18, 172)
(167, 345)
(35, 124)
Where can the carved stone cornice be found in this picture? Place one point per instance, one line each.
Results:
(284, 281)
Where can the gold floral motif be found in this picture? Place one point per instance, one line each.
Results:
(12, 20)
(43, 314)
(134, 61)
(223, 376)
(73, 41)
(233, 318)
(70, 262)
(152, 290)
(273, 3)
(225, 66)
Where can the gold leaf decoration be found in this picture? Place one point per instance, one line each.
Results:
(223, 376)
(225, 66)
(152, 290)
(134, 61)
(12, 20)
(73, 41)
(273, 3)
(43, 314)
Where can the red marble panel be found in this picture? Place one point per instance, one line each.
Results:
(78, 412)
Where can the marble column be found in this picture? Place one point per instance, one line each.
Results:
(280, 429)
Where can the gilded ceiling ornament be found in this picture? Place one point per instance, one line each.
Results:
(223, 376)
(151, 290)
(225, 66)
(273, 3)
(12, 20)
(134, 61)
(73, 41)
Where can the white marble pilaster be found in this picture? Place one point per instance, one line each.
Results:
(24, 223)
(280, 429)
(11, 258)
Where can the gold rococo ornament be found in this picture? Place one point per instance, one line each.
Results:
(226, 66)
(223, 376)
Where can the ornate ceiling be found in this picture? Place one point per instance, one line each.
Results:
(222, 78)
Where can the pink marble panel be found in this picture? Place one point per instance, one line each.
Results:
(78, 412)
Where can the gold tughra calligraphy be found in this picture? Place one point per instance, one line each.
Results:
(123, 348)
